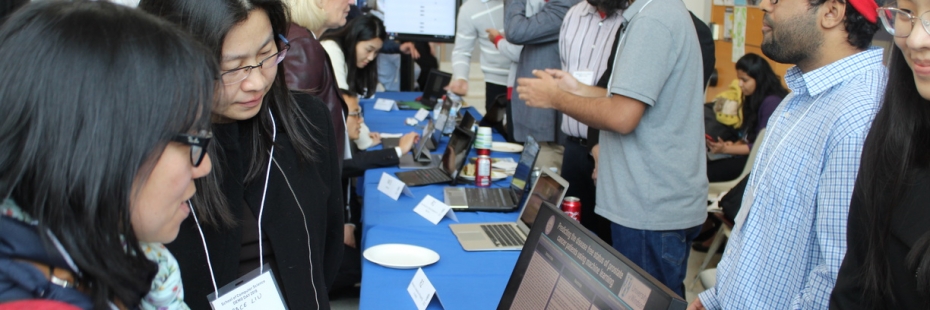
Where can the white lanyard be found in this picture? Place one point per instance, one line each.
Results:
(765, 169)
(749, 197)
(490, 15)
(274, 134)
(261, 208)
(620, 45)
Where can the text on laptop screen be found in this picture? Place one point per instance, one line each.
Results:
(562, 266)
(547, 191)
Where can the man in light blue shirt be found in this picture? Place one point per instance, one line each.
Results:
(790, 236)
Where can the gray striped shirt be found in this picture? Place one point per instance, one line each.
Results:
(584, 47)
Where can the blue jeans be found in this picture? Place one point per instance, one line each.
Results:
(661, 253)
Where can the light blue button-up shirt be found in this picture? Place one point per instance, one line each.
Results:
(788, 251)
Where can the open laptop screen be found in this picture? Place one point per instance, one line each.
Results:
(524, 167)
(436, 82)
(421, 144)
(456, 151)
(564, 266)
(547, 191)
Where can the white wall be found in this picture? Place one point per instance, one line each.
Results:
(700, 8)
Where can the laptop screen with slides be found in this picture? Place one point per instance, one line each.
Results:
(565, 266)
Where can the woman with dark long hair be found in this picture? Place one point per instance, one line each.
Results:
(277, 169)
(887, 264)
(104, 120)
(762, 92)
(352, 51)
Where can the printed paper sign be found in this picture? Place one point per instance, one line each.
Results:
(385, 105)
(421, 114)
(392, 187)
(421, 290)
(434, 210)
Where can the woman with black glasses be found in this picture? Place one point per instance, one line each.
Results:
(101, 138)
(276, 169)
(887, 263)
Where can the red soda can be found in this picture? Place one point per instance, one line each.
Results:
(483, 171)
(572, 207)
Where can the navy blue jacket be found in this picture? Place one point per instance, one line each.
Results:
(20, 280)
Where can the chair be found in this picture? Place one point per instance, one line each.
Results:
(714, 191)
(709, 278)
(715, 188)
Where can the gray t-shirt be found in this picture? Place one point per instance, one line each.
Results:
(654, 178)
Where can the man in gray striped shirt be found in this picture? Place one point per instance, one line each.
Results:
(475, 16)
(588, 31)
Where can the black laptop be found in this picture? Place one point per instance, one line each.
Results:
(496, 199)
(563, 264)
(467, 122)
(449, 166)
(436, 83)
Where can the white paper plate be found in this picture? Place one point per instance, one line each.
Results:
(506, 147)
(495, 176)
(400, 256)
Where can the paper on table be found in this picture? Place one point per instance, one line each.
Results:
(391, 135)
(421, 114)
(506, 165)
(385, 104)
(392, 187)
(434, 210)
(421, 290)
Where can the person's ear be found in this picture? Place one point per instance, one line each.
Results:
(832, 14)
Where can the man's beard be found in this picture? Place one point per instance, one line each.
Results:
(794, 42)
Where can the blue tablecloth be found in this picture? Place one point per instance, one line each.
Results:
(463, 280)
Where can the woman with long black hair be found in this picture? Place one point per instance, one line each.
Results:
(104, 120)
(277, 169)
(887, 263)
(762, 92)
(352, 51)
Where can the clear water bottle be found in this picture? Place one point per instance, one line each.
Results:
(533, 177)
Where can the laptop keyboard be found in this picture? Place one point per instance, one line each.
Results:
(503, 235)
(484, 197)
(430, 176)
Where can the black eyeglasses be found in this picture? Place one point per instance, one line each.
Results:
(198, 145)
(240, 74)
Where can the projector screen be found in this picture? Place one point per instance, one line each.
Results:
(420, 20)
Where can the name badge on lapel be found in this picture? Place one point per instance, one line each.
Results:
(255, 290)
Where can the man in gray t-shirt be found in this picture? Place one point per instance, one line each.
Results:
(651, 180)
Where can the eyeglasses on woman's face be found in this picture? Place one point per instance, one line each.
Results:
(198, 144)
(900, 22)
(240, 74)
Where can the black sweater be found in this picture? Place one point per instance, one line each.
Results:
(909, 222)
(315, 218)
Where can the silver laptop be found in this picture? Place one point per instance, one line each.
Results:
(421, 157)
(549, 189)
(497, 199)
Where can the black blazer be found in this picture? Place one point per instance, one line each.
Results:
(909, 222)
(315, 218)
(364, 160)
